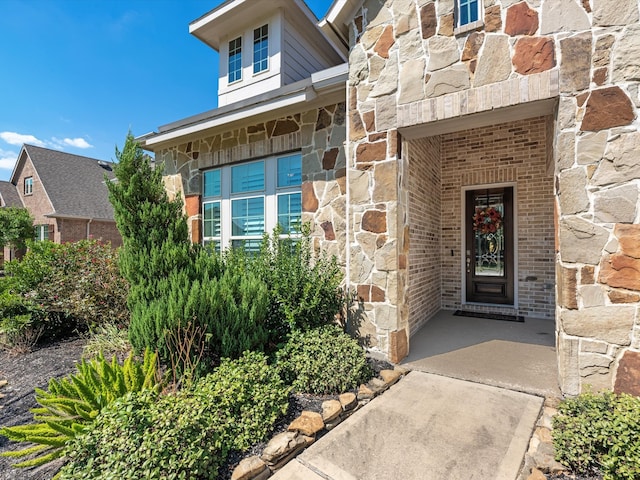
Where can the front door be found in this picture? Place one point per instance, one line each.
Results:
(489, 245)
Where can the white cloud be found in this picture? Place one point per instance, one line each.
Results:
(13, 138)
(7, 159)
(77, 142)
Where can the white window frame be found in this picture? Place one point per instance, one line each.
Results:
(41, 232)
(229, 71)
(28, 186)
(253, 51)
(270, 195)
(469, 26)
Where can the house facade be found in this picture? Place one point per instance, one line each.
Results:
(66, 195)
(482, 157)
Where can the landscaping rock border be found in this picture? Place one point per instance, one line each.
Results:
(304, 430)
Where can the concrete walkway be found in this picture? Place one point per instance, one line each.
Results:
(426, 427)
(512, 355)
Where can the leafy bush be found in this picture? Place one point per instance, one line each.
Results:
(322, 360)
(109, 340)
(304, 289)
(21, 319)
(599, 432)
(62, 287)
(72, 403)
(184, 435)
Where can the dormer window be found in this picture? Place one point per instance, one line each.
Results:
(235, 60)
(467, 11)
(261, 49)
(28, 185)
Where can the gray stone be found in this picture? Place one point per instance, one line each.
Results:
(386, 258)
(281, 445)
(386, 319)
(386, 113)
(626, 49)
(563, 16)
(359, 187)
(446, 81)
(443, 51)
(572, 189)
(611, 324)
(388, 81)
(331, 409)
(568, 349)
(594, 363)
(494, 64)
(565, 151)
(581, 241)
(412, 81)
(249, 468)
(575, 68)
(614, 12)
(592, 296)
(566, 112)
(358, 65)
(410, 46)
(616, 205)
(620, 163)
(591, 147)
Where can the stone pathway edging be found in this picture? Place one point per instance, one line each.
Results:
(540, 457)
(303, 430)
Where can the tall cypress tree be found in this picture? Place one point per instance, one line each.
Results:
(153, 228)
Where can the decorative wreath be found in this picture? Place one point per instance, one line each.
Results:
(487, 220)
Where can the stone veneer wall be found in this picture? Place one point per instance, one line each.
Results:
(425, 230)
(409, 67)
(319, 134)
(507, 153)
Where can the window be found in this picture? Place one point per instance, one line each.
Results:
(261, 49)
(28, 185)
(468, 11)
(40, 232)
(241, 202)
(235, 60)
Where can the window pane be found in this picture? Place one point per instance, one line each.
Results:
(261, 49)
(289, 212)
(473, 11)
(247, 178)
(289, 171)
(235, 59)
(247, 217)
(45, 232)
(212, 183)
(211, 219)
(250, 246)
(213, 244)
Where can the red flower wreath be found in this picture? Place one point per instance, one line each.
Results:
(487, 220)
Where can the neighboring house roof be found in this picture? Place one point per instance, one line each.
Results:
(9, 196)
(74, 184)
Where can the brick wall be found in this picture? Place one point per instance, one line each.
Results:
(511, 152)
(425, 264)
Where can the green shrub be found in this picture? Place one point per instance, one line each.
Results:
(72, 403)
(322, 360)
(231, 312)
(184, 435)
(63, 287)
(599, 432)
(109, 340)
(21, 319)
(304, 289)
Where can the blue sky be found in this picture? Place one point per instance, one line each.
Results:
(78, 74)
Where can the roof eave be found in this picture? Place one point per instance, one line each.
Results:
(321, 85)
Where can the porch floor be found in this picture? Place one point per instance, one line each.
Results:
(512, 355)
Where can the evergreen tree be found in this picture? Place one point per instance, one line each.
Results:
(153, 228)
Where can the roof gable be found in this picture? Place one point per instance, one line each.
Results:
(9, 196)
(74, 184)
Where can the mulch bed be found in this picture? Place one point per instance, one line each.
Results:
(34, 369)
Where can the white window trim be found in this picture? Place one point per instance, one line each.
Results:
(28, 181)
(261, 72)
(467, 27)
(270, 196)
(239, 79)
